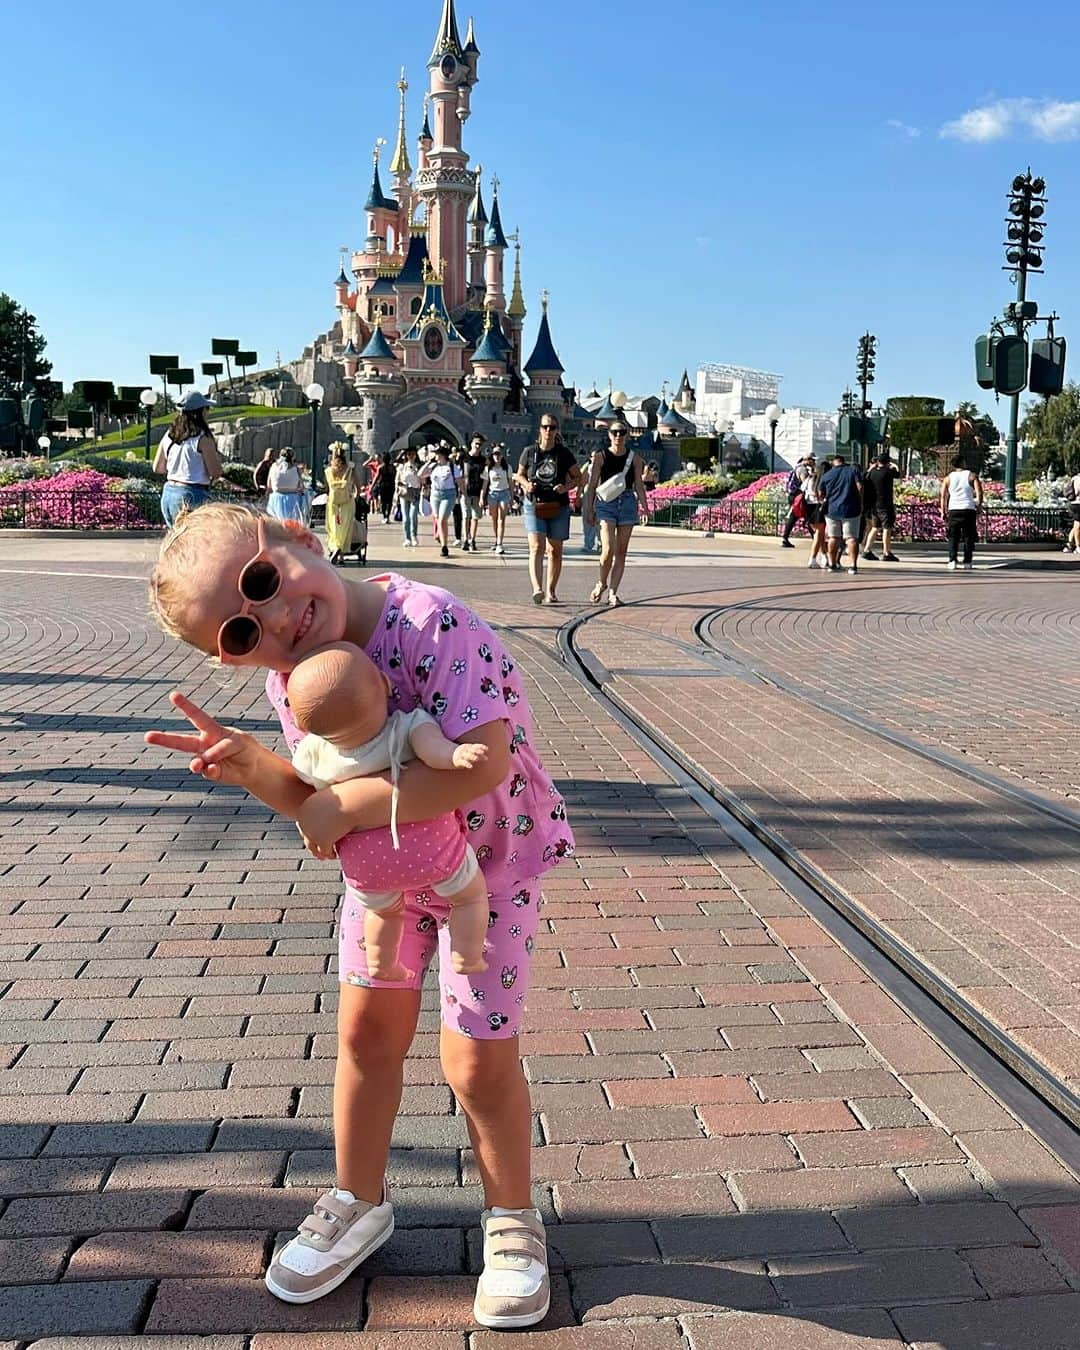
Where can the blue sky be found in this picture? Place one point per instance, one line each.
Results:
(694, 181)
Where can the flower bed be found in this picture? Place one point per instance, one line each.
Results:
(79, 499)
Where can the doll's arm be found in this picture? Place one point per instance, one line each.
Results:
(432, 747)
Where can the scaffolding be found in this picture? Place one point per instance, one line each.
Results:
(756, 384)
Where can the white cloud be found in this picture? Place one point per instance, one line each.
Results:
(905, 132)
(1044, 119)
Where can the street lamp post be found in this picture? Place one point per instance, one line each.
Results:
(148, 399)
(772, 417)
(864, 371)
(45, 446)
(314, 394)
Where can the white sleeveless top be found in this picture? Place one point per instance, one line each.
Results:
(184, 463)
(284, 477)
(961, 491)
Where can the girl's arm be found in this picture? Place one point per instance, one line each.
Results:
(225, 755)
(364, 803)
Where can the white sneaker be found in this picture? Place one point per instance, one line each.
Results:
(339, 1234)
(823, 561)
(812, 563)
(969, 567)
(500, 550)
(952, 564)
(515, 1289)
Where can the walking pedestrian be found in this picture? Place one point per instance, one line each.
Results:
(342, 487)
(407, 486)
(794, 485)
(457, 463)
(472, 482)
(383, 486)
(546, 473)
(813, 508)
(590, 533)
(961, 500)
(286, 499)
(881, 507)
(1072, 496)
(616, 498)
(261, 474)
(496, 495)
(188, 457)
(842, 490)
(439, 473)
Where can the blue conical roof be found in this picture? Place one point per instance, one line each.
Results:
(607, 411)
(662, 410)
(495, 238)
(672, 419)
(349, 351)
(433, 305)
(447, 39)
(377, 198)
(412, 269)
(378, 349)
(477, 214)
(491, 348)
(344, 279)
(544, 359)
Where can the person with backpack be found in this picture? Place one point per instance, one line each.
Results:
(805, 468)
(472, 483)
(1072, 496)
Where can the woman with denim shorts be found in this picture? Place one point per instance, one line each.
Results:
(439, 472)
(616, 512)
(546, 473)
(188, 457)
(496, 494)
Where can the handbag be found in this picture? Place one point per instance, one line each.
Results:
(547, 510)
(798, 507)
(611, 489)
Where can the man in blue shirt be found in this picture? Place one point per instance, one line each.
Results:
(842, 488)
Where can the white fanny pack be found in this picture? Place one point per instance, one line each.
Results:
(611, 489)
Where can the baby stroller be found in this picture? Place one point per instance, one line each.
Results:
(359, 540)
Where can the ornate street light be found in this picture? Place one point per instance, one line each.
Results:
(773, 413)
(148, 399)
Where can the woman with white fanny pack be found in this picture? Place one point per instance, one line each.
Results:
(616, 498)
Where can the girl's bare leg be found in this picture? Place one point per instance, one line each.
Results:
(487, 1080)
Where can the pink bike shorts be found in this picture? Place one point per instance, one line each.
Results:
(486, 1006)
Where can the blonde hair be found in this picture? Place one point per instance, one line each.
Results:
(186, 546)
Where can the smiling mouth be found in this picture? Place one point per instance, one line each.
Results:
(305, 623)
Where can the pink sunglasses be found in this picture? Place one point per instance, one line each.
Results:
(259, 581)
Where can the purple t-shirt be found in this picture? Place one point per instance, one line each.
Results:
(438, 655)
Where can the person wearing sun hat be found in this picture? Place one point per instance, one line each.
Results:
(188, 457)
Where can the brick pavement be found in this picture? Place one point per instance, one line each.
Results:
(741, 1140)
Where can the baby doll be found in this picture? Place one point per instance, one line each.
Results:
(338, 697)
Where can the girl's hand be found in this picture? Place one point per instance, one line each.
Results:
(221, 754)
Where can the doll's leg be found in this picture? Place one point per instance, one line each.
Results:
(468, 926)
(383, 928)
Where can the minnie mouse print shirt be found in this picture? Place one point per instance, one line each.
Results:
(440, 656)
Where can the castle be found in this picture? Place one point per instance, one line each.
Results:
(430, 343)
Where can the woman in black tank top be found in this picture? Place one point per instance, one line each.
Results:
(616, 498)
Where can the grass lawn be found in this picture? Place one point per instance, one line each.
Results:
(135, 436)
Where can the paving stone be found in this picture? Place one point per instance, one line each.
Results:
(936, 1182)
(140, 1342)
(22, 1141)
(1017, 1167)
(966, 1224)
(829, 1329)
(641, 1199)
(601, 1127)
(1006, 1271)
(777, 1118)
(888, 1113)
(872, 1280)
(613, 1293)
(241, 1305)
(1058, 1226)
(49, 1176)
(960, 1101)
(135, 1138)
(734, 1236)
(352, 1340)
(599, 1336)
(824, 1188)
(30, 1311)
(147, 1255)
(76, 1214)
(438, 1302)
(1041, 1322)
(33, 1260)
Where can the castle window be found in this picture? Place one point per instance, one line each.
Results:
(370, 423)
(414, 308)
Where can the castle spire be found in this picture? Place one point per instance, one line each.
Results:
(471, 49)
(477, 213)
(425, 130)
(400, 163)
(447, 39)
(377, 198)
(545, 359)
(495, 236)
(516, 309)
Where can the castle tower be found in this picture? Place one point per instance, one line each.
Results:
(445, 184)
(477, 225)
(489, 384)
(495, 247)
(381, 210)
(379, 386)
(516, 309)
(402, 172)
(544, 370)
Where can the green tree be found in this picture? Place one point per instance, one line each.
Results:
(1051, 427)
(22, 347)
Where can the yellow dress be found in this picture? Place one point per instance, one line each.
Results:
(340, 510)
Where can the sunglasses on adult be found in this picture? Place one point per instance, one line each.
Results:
(618, 434)
(259, 581)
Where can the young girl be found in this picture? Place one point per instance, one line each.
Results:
(256, 592)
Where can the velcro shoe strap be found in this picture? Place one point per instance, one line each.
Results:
(510, 1237)
(314, 1226)
(335, 1207)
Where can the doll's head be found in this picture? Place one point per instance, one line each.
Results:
(224, 562)
(339, 693)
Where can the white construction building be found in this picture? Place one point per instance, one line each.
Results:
(733, 399)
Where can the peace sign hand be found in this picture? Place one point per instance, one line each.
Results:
(221, 754)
